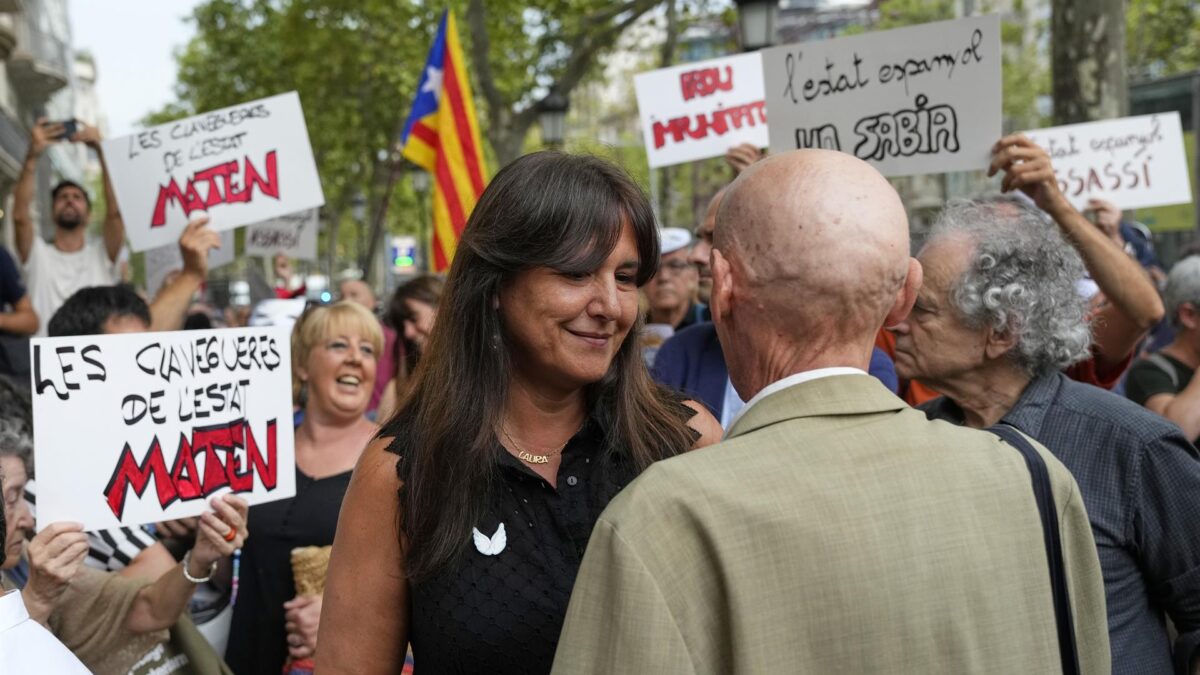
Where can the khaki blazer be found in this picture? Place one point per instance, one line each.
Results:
(835, 530)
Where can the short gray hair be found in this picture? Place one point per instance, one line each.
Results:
(1020, 280)
(1183, 285)
(15, 442)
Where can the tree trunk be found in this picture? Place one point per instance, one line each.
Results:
(506, 127)
(377, 223)
(1088, 57)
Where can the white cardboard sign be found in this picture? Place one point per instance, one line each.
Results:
(294, 235)
(924, 99)
(700, 110)
(1134, 162)
(143, 427)
(163, 260)
(241, 165)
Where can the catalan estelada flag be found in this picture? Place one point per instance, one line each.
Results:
(442, 136)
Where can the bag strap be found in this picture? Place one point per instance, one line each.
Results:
(1165, 365)
(1050, 534)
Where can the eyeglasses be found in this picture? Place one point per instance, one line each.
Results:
(676, 266)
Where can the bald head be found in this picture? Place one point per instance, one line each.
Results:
(816, 244)
(358, 291)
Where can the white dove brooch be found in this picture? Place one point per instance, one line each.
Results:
(492, 545)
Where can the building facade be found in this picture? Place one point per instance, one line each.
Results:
(40, 77)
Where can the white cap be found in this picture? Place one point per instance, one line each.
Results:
(672, 239)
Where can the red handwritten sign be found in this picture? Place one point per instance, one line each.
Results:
(222, 467)
(719, 122)
(701, 110)
(705, 82)
(243, 164)
(160, 422)
(223, 188)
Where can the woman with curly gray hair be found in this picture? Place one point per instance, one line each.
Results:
(997, 320)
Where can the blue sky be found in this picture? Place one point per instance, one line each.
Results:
(132, 41)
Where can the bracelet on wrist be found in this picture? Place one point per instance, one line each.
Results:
(187, 559)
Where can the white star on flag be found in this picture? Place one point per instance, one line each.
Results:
(433, 81)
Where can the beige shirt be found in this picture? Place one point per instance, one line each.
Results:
(90, 621)
(836, 530)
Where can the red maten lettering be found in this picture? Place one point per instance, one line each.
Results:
(222, 188)
(184, 481)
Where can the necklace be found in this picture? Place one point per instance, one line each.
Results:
(531, 458)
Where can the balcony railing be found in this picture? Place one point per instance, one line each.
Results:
(39, 65)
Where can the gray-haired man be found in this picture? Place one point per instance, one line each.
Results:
(25, 645)
(995, 322)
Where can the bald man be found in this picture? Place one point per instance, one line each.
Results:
(835, 529)
(691, 361)
(356, 290)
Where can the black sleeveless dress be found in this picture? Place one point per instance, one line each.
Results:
(502, 613)
(257, 638)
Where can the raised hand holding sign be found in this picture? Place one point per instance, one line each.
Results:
(241, 164)
(160, 422)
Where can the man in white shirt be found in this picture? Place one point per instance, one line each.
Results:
(25, 645)
(55, 270)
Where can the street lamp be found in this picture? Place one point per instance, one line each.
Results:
(420, 180)
(756, 21)
(552, 115)
(358, 208)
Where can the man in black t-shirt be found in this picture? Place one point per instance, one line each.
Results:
(17, 319)
(1163, 381)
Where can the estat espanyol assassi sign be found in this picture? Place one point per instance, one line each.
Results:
(164, 260)
(294, 235)
(700, 110)
(924, 99)
(240, 165)
(143, 427)
(1134, 162)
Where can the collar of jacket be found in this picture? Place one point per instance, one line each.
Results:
(824, 397)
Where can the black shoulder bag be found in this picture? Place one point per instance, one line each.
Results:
(1054, 555)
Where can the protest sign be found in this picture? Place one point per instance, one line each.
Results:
(241, 165)
(1133, 162)
(700, 110)
(143, 427)
(162, 261)
(924, 99)
(294, 235)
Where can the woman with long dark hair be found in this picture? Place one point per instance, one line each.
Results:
(466, 521)
(411, 313)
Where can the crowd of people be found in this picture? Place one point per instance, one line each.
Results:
(779, 443)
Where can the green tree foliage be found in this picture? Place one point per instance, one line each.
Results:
(355, 64)
(1162, 37)
(901, 13)
(524, 50)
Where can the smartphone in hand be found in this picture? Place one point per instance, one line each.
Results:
(70, 127)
